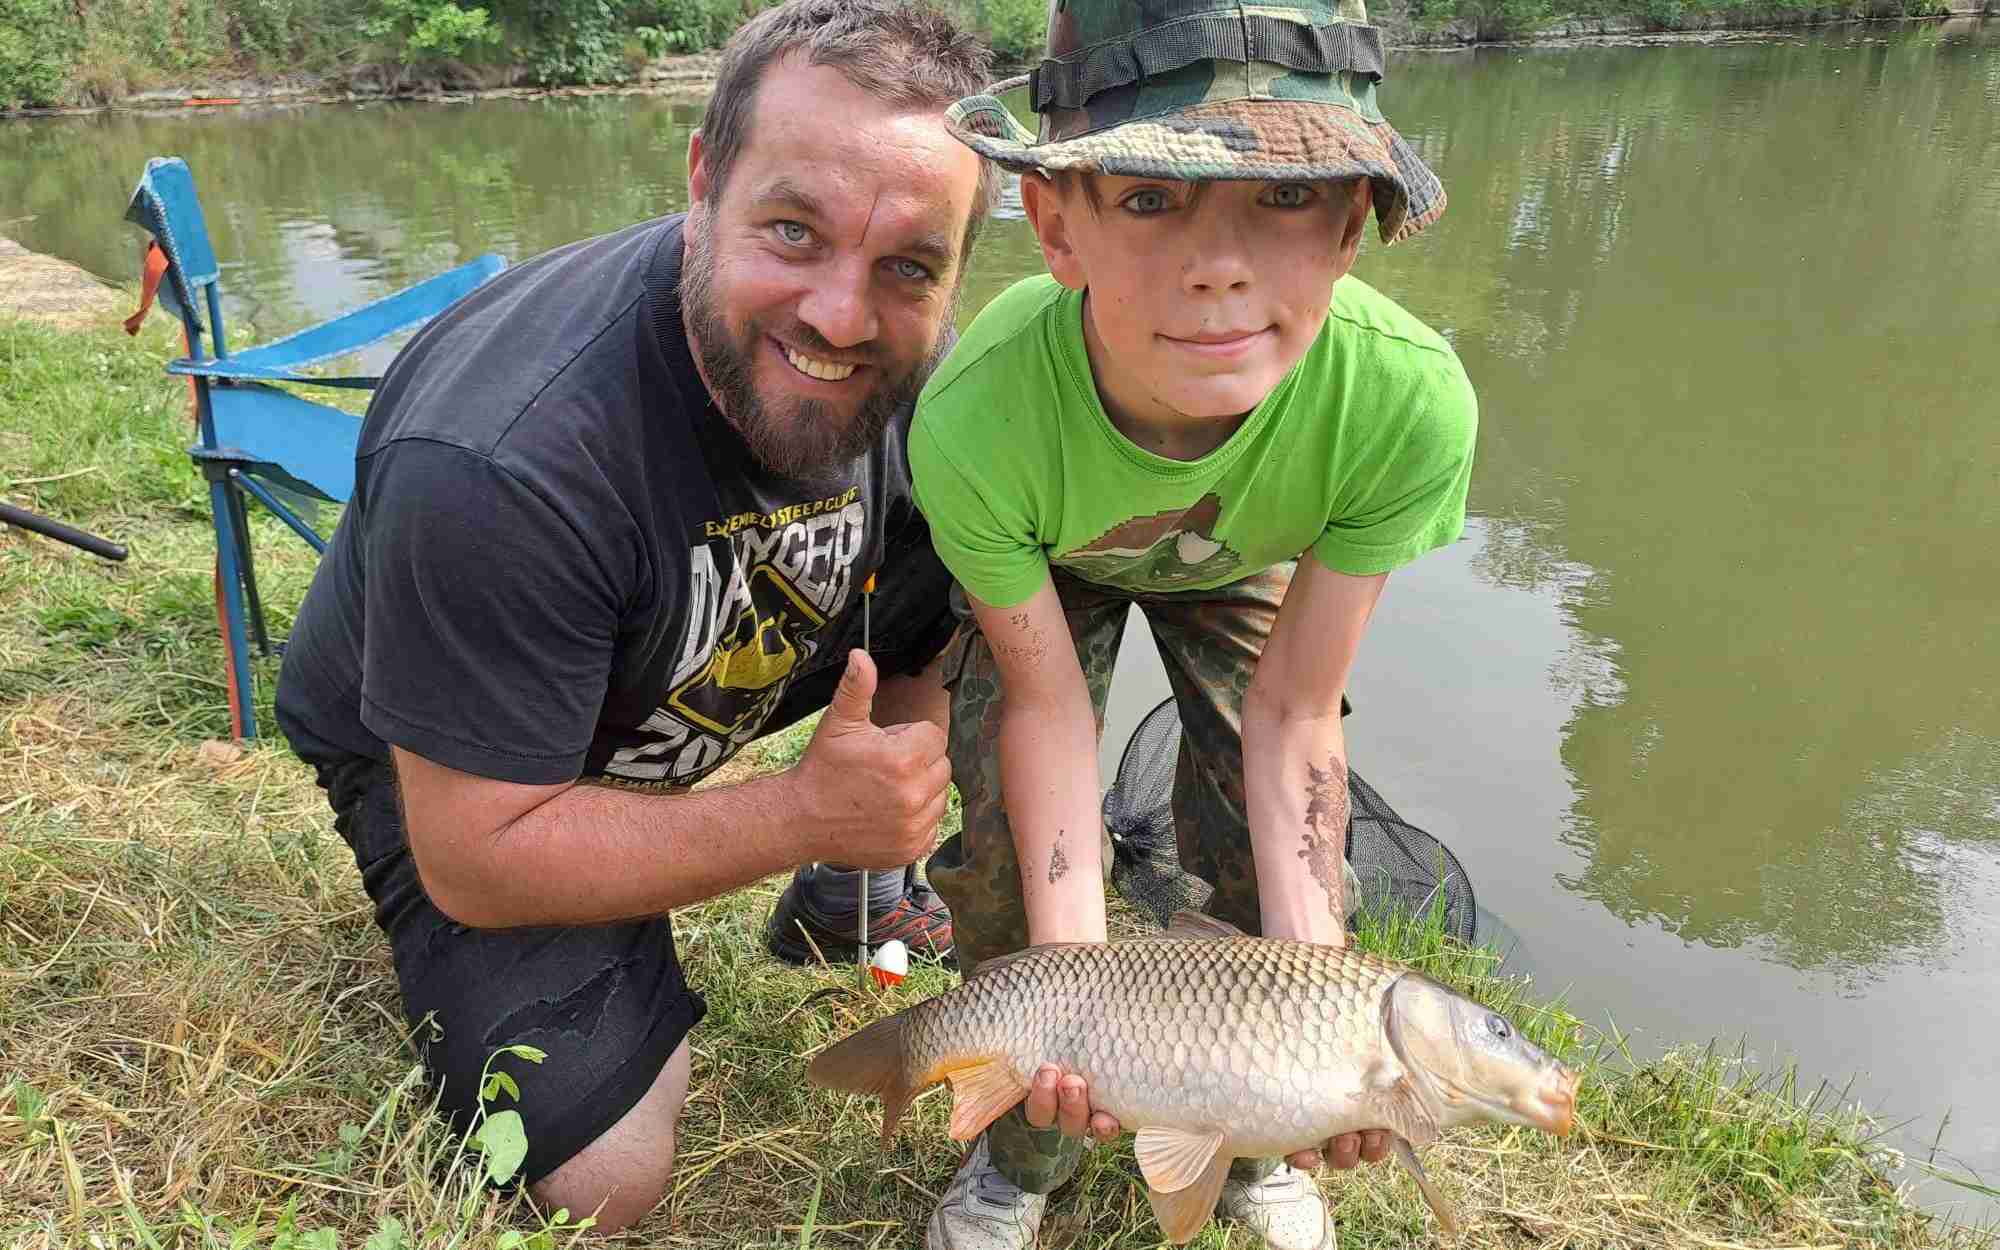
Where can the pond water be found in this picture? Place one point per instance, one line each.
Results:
(1707, 700)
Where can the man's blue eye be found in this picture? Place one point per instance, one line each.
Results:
(1147, 201)
(911, 271)
(793, 232)
(1291, 195)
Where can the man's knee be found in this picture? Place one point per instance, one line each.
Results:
(622, 1175)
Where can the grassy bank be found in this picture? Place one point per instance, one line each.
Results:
(200, 1037)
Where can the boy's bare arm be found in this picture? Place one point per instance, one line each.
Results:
(1295, 755)
(1048, 767)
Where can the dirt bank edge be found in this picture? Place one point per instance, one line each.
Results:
(47, 289)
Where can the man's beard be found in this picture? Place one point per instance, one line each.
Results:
(794, 438)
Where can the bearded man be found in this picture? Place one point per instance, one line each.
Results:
(613, 519)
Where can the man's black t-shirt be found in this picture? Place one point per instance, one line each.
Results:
(559, 558)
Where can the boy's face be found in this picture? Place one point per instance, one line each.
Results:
(1202, 296)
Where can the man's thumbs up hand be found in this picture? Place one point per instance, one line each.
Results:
(853, 703)
(877, 793)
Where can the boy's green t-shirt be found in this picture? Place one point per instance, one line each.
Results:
(1362, 455)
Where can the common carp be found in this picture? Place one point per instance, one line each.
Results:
(1212, 1045)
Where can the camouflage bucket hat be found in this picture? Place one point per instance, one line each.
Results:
(1196, 90)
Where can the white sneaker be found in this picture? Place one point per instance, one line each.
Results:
(983, 1210)
(1285, 1209)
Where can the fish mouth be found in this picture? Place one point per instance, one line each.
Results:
(1552, 1107)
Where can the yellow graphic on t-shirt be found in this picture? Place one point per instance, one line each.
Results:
(754, 655)
(761, 589)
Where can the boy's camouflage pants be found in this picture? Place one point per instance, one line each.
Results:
(1209, 641)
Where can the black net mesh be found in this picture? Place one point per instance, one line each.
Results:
(1397, 865)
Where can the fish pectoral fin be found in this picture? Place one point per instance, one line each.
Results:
(1432, 1198)
(1188, 923)
(1183, 1212)
(981, 1092)
(1171, 1159)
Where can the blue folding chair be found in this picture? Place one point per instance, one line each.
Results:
(253, 438)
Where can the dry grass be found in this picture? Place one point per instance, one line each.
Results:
(202, 1035)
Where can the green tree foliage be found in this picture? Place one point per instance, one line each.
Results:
(38, 46)
(564, 41)
(425, 30)
(687, 25)
(1015, 28)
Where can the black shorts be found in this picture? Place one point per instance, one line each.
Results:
(608, 1003)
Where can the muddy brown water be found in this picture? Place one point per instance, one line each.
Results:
(1708, 698)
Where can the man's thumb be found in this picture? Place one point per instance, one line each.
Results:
(854, 699)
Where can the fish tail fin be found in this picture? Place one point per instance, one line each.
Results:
(871, 1062)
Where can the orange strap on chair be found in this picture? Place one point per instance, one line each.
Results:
(153, 266)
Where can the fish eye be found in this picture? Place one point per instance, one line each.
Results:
(1498, 1026)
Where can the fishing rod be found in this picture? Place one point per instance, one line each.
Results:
(47, 528)
(867, 598)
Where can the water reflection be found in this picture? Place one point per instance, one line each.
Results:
(1734, 379)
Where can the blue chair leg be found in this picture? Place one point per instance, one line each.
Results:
(230, 590)
(240, 514)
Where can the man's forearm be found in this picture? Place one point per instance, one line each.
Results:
(1052, 806)
(596, 854)
(1295, 787)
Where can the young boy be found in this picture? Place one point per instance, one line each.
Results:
(1200, 413)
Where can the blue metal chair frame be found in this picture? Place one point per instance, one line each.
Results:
(251, 435)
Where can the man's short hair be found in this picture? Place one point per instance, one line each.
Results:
(902, 52)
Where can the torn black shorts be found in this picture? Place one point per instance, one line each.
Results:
(608, 1003)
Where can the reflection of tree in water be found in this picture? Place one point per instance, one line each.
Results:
(1857, 898)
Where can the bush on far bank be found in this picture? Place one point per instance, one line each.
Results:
(1509, 19)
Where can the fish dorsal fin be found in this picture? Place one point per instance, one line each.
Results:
(1432, 1198)
(1183, 1212)
(1171, 1159)
(981, 1092)
(1188, 923)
